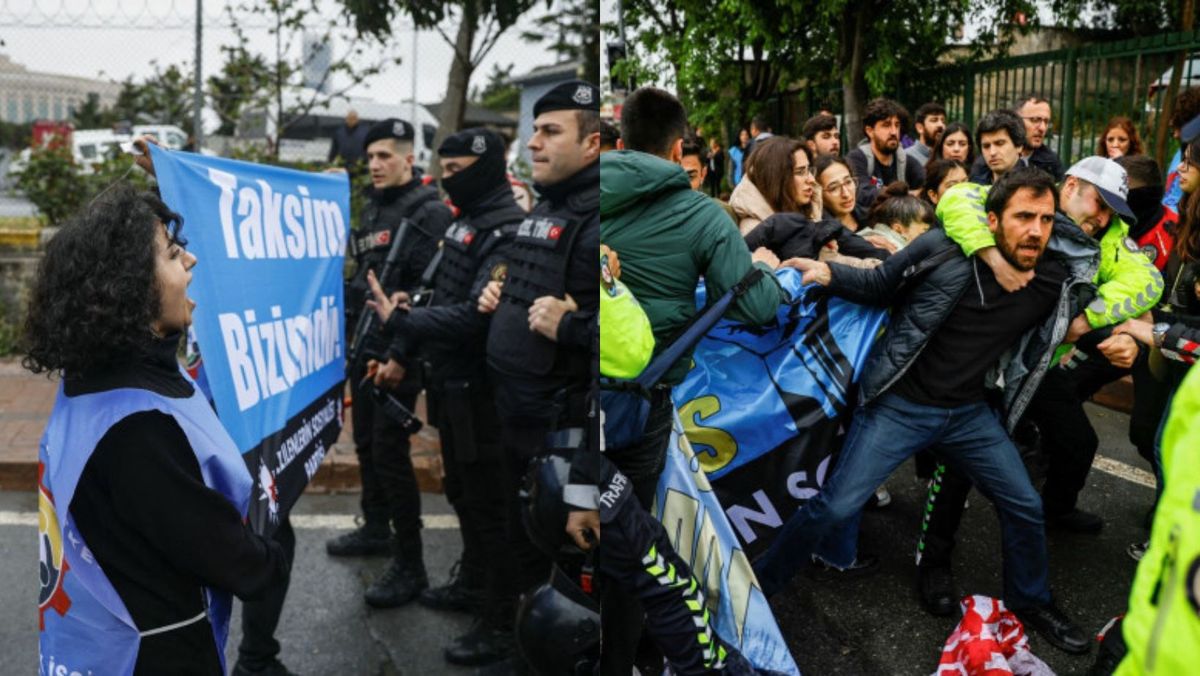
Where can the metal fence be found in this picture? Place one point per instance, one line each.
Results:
(1086, 87)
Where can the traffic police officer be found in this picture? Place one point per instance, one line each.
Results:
(452, 335)
(540, 348)
(389, 487)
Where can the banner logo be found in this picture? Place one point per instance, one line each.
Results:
(52, 566)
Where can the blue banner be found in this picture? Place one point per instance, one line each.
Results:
(692, 515)
(269, 309)
(764, 406)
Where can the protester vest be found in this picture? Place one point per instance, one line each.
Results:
(465, 247)
(537, 267)
(85, 627)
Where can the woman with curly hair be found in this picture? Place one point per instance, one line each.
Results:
(1119, 138)
(144, 494)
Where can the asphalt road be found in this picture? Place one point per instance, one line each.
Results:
(871, 625)
(875, 625)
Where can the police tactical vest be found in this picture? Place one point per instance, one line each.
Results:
(466, 245)
(85, 627)
(537, 266)
(379, 222)
(539, 258)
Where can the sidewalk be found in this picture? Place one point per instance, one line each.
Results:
(26, 400)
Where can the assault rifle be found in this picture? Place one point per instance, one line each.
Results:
(368, 323)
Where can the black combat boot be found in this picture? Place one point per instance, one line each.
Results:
(404, 578)
(463, 592)
(484, 643)
(373, 538)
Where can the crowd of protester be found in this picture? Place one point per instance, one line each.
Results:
(1091, 269)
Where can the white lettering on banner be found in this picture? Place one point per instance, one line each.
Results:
(275, 225)
(311, 427)
(269, 358)
(52, 669)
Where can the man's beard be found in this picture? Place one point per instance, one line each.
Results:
(1011, 252)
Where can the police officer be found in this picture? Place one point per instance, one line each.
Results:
(452, 335)
(389, 487)
(539, 343)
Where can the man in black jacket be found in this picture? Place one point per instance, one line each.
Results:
(389, 486)
(927, 380)
(452, 335)
(1034, 112)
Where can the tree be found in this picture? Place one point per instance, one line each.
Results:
(480, 24)
(728, 60)
(238, 86)
(90, 115)
(278, 75)
(499, 93)
(165, 97)
(570, 30)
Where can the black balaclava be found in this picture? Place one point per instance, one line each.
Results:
(478, 181)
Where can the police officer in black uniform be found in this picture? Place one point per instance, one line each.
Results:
(452, 335)
(390, 499)
(539, 343)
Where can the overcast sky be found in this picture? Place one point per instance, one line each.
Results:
(94, 38)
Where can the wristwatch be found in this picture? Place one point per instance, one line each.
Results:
(1159, 332)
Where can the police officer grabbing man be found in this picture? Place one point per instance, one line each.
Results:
(399, 205)
(452, 335)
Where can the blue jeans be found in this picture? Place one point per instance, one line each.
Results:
(883, 435)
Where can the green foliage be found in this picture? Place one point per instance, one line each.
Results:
(239, 85)
(58, 187)
(50, 180)
(377, 18)
(165, 97)
(498, 93)
(568, 30)
(10, 330)
(16, 135)
(729, 59)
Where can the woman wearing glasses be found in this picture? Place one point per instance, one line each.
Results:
(778, 180)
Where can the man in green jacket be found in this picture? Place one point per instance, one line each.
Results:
(669, 237)
(1092, 203)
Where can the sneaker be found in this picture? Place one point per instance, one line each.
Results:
(275, 668)
(367, 540)
(864, 564)
(881, 498)
(455, 595)
(1077, 521)
(398, 585)
(1054, 626)
(935, 587)
(1137, 550)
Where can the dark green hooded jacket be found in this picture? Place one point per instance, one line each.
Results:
(667, 237)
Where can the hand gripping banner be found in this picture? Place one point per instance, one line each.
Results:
(269, 310)
(764, 407)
